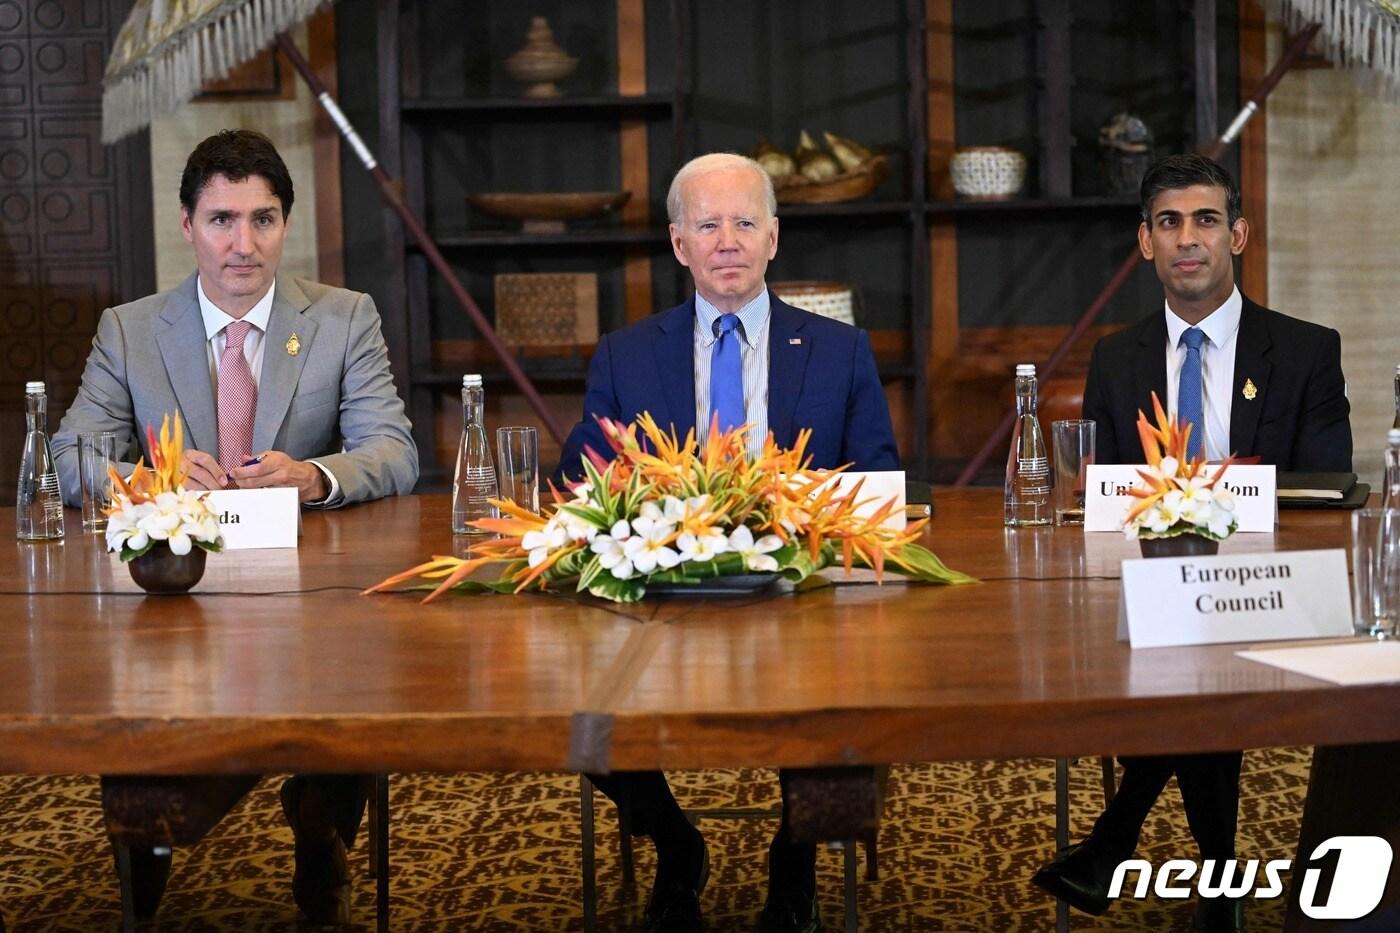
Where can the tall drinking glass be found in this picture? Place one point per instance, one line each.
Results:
(1375, 566)
(518, 466)
(96, 450)
(1072, 446)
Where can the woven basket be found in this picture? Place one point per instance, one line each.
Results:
(835, 300)
(856, 183)
(989, 173)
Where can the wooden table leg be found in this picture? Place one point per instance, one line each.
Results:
(834, 804)
(159, 812)
(381, 852)
(124, 881)
(1351, 792)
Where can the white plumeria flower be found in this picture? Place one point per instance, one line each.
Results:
(578, 529)
(1220, 521)
(158, 524)
(610, 550)
(646, 548)
(1168, 467)
(540, 543)
(756, 553)
(702, 547)
(1224, 498)
(180, 542)
(583, 493)
(1159, 520)
(647, 551)
(671, 510)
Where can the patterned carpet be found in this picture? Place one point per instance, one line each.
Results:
(500, 852)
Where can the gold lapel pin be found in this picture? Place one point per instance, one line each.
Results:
(1249, 390)
(294, 346)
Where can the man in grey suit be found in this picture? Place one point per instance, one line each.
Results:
(326, 417)
(279, 382)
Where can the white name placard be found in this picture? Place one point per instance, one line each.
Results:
(1168, 601)
(880, 487)
(1106, 498)
(256, 518)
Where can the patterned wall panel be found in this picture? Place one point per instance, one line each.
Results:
(63, 197)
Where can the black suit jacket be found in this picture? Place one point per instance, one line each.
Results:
(1297, 420)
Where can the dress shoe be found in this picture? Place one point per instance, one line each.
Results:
(150, 870)
(1218, 915)
(790, 912)
(674, 905)
(1080, 876)
(321, 882)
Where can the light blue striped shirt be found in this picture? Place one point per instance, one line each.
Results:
(753, 324)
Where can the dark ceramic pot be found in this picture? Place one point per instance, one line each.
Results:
(1180, 546)
(162, 572)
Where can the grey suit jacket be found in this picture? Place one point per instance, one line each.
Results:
(333, 401)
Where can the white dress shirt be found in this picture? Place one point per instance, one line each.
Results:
(753, 327)
(1222, 328)
(215, 320)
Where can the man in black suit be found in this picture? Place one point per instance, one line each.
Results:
(1269, 386)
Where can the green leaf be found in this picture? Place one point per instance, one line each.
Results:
(920, 563)
(607, 586)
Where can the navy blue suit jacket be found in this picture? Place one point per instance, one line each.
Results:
(1297, 420)
(821, 375)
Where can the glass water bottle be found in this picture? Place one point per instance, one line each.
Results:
(38, 500)
(1397, 398)
(1390, 485)
(475, 479)
(1027, 464)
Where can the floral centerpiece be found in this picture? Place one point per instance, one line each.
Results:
(155, 523)
(1178, 497)
(670, 511)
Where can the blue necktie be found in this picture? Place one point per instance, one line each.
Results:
(727, 374)
(1190, 402)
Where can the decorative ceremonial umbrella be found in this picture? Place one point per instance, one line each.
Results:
(168, 49)
(1360, 34)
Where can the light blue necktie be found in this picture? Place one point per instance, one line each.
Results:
(1190, 402)
(727, 374)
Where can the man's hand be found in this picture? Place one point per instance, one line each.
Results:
(204, 472)
(278, 469)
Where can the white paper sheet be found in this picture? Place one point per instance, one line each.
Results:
(1348, 663)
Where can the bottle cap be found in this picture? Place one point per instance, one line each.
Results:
(33, 388)
(471, 379)
(1393, 436)
(1025, 369)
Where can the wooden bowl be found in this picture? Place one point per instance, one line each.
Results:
(857, 183)
(545, 212)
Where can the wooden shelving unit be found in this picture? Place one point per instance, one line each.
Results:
(920, 358)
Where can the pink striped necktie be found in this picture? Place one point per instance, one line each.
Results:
(238, 399)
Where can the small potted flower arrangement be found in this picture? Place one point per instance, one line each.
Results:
(1179, 510)
(158, 527)
(666, 513)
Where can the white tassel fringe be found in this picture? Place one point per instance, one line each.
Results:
(174, 68)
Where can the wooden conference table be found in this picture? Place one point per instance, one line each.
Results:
(275, 662)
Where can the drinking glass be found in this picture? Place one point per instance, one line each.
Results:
(518, 466)
(96, 450)
(1072, 446)
(1375, 553)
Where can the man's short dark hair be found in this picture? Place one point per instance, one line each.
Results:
(1185, 171)
(236, 155)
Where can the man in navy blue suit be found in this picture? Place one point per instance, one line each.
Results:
(734, 351)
